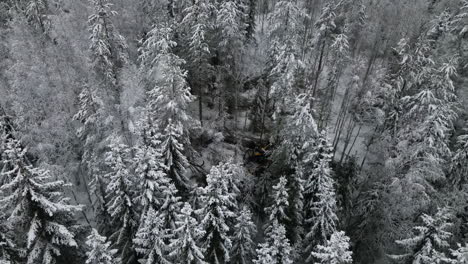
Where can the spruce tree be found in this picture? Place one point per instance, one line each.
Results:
(149, 240)
(459, 162)
(9, 252)
(218, 205)
(198, 22)
(99, 251)
(335, 251)
(108, 47)
(243, 246)
(430, 240)
(38, 209)
(168, 99)
(150, 168)
(320, 202)
(276, 249)
(120, 196)
(277, 211)
(185, 246)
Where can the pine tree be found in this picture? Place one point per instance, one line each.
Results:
(335, 251)
(276, 249)
(320, 205)
(38, 209)
(243, 245)
(8, 249)
(184, 246)
(299, 132)
(149, 240)
(99, 251)
(198, 20)
(232, 30)
(459, 163)
(428, 109)
(150, 168)
(286, 21)
(277, 212)
(108, 47)
(170, 210)
(297, 136)
(429, 241)
(168, 100)
(460, 254)
(218, 206)
(91, 133)
(120, 196)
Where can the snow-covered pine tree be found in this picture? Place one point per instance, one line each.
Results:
(36, 12)
(218, 205)
(421, 148)
(320, 203)
(150, 239)
(277, 211)
(108, 47)
(8, 249)
(150, 168)
(232, 30)
(198, 20)
(339, 50)
(120, 196)
(430, 240)
(276, 249)
(459, 164)
(243, 246)
(170, 210)
(298, 137)
(298, 134)
(335, 251)
(168, 100)
(286, 21)
(38, 209)
(91, 133)
(460, 254)
(99, 251)
(12, 154)
(184, 246)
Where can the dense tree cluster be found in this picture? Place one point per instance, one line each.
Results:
(233, 131)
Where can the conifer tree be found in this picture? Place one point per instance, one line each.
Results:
(243, 246)
(276, 249)
(120, 196)
(218, 205)
(335, 251)
(8, 249)
(320, 205)
(108, 47)
(459, 163)
(277, 212)
(170, 210)
(198, 20)
(184, 246)
(460, 254)
(91, 133)
(150, 168)
(36, 205)
(429, 241)
(99, 251)
(149, 240)
(232, 30)
(168, 100)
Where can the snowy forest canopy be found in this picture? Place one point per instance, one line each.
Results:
(233, 131)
